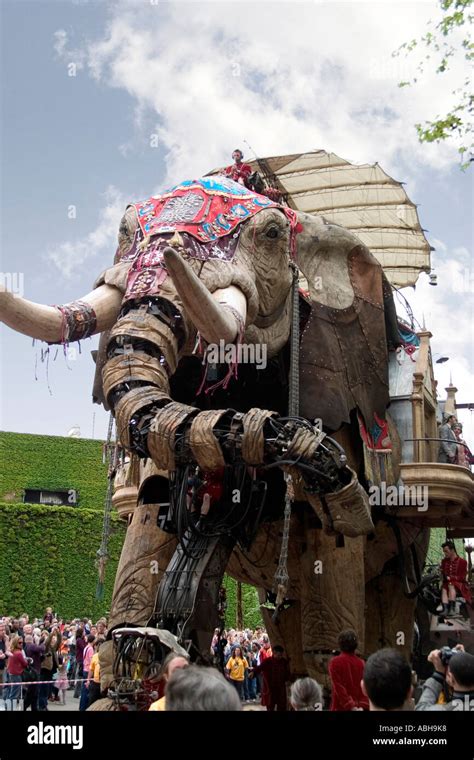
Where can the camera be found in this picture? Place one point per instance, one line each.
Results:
(445, 654)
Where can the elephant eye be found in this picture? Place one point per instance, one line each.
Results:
(272, 232)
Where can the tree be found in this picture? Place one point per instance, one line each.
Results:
(441, 46)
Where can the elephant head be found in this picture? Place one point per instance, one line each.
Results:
(237, 275)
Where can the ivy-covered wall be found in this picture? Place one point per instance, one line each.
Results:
(435, 553)
(48, 553)
(52, 463)
(47, 558)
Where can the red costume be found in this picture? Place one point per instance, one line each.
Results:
(239, 172)
(265, 653)
(276, 673)
(454, 574)
(346, 671)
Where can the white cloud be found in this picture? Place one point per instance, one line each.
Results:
(70, 256)
(63, 50)
(60, 42)
(288, 77)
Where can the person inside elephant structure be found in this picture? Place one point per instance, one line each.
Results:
(276, 674)
(173, 661)
(454, 572)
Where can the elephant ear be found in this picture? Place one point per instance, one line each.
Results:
(343, 351)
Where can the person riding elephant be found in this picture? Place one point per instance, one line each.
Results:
(238, 171)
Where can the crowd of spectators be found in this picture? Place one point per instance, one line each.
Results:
(41, 661)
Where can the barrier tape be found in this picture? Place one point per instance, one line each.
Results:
(29, 683)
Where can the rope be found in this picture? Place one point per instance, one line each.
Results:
(294, 389)
(282, 578)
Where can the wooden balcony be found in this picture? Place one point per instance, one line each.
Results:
(450, 495)
(447, 489)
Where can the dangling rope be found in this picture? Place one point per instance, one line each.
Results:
(110, 458)
(281, 575)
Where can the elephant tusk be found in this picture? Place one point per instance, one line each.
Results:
(217, 316)
(46, 322)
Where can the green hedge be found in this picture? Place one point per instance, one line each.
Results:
(47, 554)
(47, 558)
(250, 605)
(52, 463)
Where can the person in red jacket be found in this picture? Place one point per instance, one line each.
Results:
(239, 171)
(17, 662)
(346, 671)
(454, 572)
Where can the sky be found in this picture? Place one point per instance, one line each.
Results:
(106, 103)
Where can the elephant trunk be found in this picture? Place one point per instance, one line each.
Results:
(217, 316)
(95, 312)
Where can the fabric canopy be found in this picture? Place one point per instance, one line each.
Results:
(364, 199)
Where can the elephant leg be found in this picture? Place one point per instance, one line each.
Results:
(390, 614)
(146, 553)
(188, 596)
(332, 596)
(286, 631)
(257, 567)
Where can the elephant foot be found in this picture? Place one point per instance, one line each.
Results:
(347, 511)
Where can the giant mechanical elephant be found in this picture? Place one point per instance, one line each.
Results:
(233, 465)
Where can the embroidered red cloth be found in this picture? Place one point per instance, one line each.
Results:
(207, 212)
(207, 208)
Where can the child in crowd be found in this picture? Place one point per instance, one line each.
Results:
(62, 682)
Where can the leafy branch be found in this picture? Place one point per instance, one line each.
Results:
(439, 50)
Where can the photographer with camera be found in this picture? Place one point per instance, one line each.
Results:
(454, 668)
